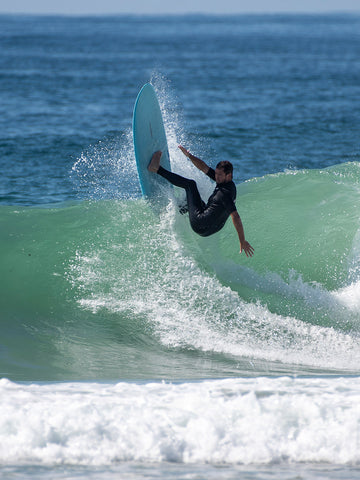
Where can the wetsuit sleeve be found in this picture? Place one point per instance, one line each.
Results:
(211, 173)
(229, 204)
(228, 195)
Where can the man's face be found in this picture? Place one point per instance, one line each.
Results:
(221, 176)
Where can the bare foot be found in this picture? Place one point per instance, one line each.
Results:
(155, 162)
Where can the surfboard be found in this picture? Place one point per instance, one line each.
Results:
(149, 136)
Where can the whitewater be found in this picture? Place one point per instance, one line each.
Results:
(244, 421)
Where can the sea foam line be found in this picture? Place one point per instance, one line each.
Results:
(231, 421)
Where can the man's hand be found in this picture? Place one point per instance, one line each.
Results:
(184, 151)
(200, 164)
(248, 249)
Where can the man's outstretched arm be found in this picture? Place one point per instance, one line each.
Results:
(200, 164)
(244, 245)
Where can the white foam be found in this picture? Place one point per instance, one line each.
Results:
(349, 296)
(235, 421)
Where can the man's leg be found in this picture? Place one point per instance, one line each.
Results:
(192, 193)
(194, 201)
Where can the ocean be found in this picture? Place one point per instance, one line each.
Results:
(131, 347)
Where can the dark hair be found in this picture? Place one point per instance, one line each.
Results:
(226, 166)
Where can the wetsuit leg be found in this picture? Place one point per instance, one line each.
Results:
(195, 203)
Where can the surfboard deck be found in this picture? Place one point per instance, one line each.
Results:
(149, 136)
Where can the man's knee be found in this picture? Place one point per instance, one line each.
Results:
(192, 184)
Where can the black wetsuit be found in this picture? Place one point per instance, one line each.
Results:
(205, 219)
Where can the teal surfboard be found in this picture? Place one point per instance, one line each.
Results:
(149, 136)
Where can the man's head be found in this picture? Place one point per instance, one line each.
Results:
(224, 172)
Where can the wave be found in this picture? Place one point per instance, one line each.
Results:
(108, 289)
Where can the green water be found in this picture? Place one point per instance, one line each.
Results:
(116, 281)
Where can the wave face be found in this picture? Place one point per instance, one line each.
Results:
(109, 289)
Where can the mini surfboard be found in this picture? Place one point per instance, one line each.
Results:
(149, 136)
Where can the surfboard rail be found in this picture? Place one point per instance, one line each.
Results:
(149, 136)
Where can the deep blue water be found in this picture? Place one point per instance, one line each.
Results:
(125, 339)
(267, 92)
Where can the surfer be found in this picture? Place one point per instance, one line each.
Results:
(206, 219)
